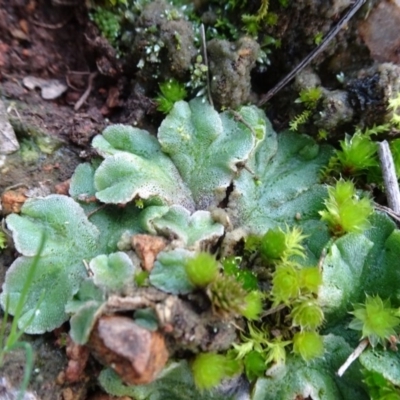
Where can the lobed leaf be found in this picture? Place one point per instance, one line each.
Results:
(207, 147)
(70, 239)
(284, 184)
(169, 273)
(135, 167)
(194, 231)
(112, 271)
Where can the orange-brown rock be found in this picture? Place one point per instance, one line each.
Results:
(147, 247)
(136, 354)
(13, 200)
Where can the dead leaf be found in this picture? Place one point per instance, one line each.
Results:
(136, 354)
(18, 34)
(63, 187)
(147, 248)
(13, 200)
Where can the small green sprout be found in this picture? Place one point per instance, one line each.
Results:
(376, 319)
(202, 269)
(394, 107)
(259, 352)
(252, 243)
(322, 135)
(277, 244)
(357, 154)
(299, 119)
(285, 284)
(276, 351)
(108, 22)
(254, 365)
(198, 76)
(345, 211)
(228, 297)
(308, 344)
(253, 23)
(171, 92)
(210, 368)
(273, 244)
(318, 38)
(253, 305)
(310, 279)
(309, 97)
(307, 314)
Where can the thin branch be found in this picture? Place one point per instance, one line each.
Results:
(353, 356)
(51, 26)
(388, 211)
(313, 54)
(204, 48)
(85, 95)
(389, 176)
(273, 310)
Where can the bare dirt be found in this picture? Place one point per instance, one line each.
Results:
(50, 41)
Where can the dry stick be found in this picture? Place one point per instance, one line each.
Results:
(273, 310)
(85, 95)
(204, 48)
(353, 356)
(50, 26)
(313, 54)
(388, 211)
(389, 176)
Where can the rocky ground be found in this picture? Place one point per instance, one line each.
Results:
(61, 82)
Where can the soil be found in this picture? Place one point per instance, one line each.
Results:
(45, 40)
(55, 40)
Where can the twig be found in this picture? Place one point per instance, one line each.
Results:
(353, 356)
(74, 73)
(346, 18)
(273, 310)
(389, 176)
(388, 211)
(204, 48)
(239, 118)
(322, 259)
(88, 215)
(49, 26)
(85, 95)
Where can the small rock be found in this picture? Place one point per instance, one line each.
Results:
(9, 393)
(380, 32)
(51, 88)
(8, 141)
(13, 200)
(77, 359)
(136, 354)
(147, 248)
